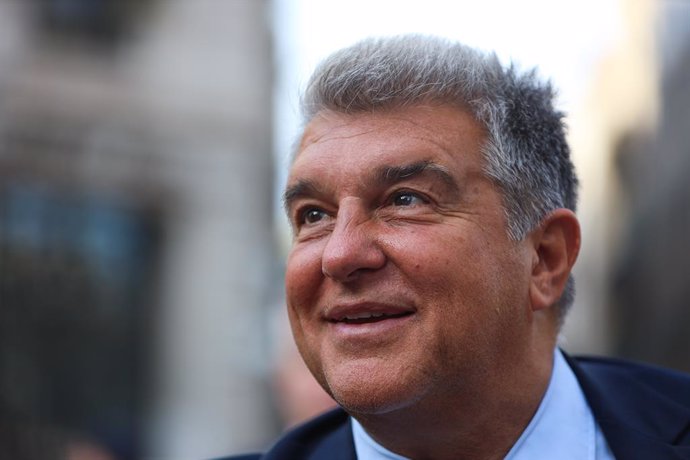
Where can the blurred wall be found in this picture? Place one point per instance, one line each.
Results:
(622, 97)
(630, 139)
(650, 288)
(136, 234)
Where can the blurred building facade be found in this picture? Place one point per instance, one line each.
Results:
(136, 235)
(650, 288)
(630, 140)
(623, 96)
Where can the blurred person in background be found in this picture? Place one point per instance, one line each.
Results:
(432, 199)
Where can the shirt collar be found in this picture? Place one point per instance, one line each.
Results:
(563, 426)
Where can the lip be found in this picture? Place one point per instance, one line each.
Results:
(344, 312)
(367, 321)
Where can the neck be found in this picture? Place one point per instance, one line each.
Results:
(476, 420)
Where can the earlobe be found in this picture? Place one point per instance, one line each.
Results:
(556, 246)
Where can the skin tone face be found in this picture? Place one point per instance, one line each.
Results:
(405, 294)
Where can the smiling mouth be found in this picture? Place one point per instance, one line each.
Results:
(364, 318)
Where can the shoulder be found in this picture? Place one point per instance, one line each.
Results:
(640, 408)
(611, 373)
(326, 437)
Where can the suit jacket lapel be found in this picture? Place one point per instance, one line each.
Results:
(328, 437)
(636, 408)
(338, 446)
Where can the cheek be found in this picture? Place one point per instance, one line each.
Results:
(439, 264)
(303, 280)
(458, 280)
(302, 276)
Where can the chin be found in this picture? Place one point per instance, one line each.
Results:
(369, 396)
(368, 405)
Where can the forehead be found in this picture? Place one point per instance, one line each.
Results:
(440, 134)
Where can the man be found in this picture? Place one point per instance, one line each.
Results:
(432, 200)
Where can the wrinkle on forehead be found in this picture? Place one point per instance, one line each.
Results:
(326, 137)
(345, 120)
(393, 118)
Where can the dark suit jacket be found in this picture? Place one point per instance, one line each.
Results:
(643, 411)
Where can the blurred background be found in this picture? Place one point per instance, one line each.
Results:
(143, 149)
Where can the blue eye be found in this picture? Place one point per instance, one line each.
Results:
(407, 199)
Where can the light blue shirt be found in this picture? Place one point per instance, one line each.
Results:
(563, 427)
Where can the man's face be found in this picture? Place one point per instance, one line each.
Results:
(402, 284)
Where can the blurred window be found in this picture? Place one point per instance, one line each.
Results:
(76, 279)
(100, 22)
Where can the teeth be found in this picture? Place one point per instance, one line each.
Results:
(365, 315)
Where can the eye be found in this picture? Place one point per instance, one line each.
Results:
(312, 216)
(406, 198)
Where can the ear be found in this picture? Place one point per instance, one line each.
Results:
(556, 245)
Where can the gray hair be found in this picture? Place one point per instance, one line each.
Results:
(526, 153)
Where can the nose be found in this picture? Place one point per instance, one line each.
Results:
(351, 249)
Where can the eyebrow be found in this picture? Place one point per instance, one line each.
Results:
(390, 175)
(303, 188)
(385, 176)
